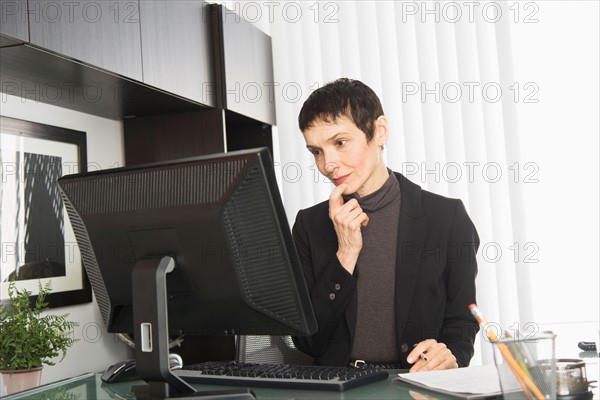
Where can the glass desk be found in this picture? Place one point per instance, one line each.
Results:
(89, 386)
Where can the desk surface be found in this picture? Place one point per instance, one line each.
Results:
(89, 386)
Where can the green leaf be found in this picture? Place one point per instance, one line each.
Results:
(28, 339)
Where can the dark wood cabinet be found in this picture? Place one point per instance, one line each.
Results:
(13, 22)
(87, 56)
(242, 74)
(188, 78)
(243, 55)
(105, 34)
(29, 72)
(176, 51)
(187, 134)
(246, 133)
(170, 136)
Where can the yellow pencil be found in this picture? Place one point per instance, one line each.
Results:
(523, 365)
(522, 377)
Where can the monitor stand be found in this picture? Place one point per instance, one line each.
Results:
(151, 328)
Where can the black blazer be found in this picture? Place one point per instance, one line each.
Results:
(435, 278)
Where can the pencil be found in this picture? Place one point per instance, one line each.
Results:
(515, 348)
(522, 377)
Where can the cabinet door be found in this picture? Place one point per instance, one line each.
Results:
(248, 68)
(13, 22)
(176, 48)
(102, 33)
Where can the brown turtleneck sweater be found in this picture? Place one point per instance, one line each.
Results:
(375, 334)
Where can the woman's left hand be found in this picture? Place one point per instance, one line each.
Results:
(430, 355)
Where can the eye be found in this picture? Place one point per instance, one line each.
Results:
(340, 142)
(315, 152)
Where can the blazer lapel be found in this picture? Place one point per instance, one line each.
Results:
(411, 238)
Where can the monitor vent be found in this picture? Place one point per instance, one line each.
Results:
(89, 261)
(265, 285)
(155, 188)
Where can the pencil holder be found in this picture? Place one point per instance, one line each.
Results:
(527, 366)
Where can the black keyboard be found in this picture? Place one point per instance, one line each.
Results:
(279, 375)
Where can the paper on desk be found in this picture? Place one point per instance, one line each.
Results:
(470, 383)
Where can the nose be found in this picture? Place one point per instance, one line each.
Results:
(330, 163)
(330, 167)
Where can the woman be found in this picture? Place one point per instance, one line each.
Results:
(390, 267)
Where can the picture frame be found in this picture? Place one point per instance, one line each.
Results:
(38, 243)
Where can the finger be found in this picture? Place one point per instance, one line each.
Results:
(419, 348)
(423, 363)
(353, 205)
(364, 219)
(341, 214)
(432, 363)
(351, 211)
(356, 218)
(417, 366)
(437, 364)
(441, 358)
(349, 218)
(335, 198)
(350, 205)
(357, 223)
(419, 396)
(448, 362)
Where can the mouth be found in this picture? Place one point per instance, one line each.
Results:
(340, 180)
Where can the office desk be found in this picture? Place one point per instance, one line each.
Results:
(89, 386)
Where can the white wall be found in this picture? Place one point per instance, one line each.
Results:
(559, 133)
(96, 349)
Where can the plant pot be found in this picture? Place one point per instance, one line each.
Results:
(21, 379)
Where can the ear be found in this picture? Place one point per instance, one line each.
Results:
(381, 131)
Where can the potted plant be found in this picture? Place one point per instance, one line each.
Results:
(29, 339)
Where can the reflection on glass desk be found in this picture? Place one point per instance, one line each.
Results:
(89, 386)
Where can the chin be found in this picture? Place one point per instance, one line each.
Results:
(348, 191)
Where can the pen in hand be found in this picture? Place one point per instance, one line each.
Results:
(422, 355)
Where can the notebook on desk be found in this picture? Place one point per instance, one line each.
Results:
(470, 383)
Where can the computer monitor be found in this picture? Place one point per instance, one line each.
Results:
(196, 246)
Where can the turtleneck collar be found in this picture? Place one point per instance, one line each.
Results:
(381, 197)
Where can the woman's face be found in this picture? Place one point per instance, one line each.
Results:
(343, 154)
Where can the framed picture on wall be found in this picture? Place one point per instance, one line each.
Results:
(38, 243)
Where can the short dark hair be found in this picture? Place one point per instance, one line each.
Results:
(342, 97)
